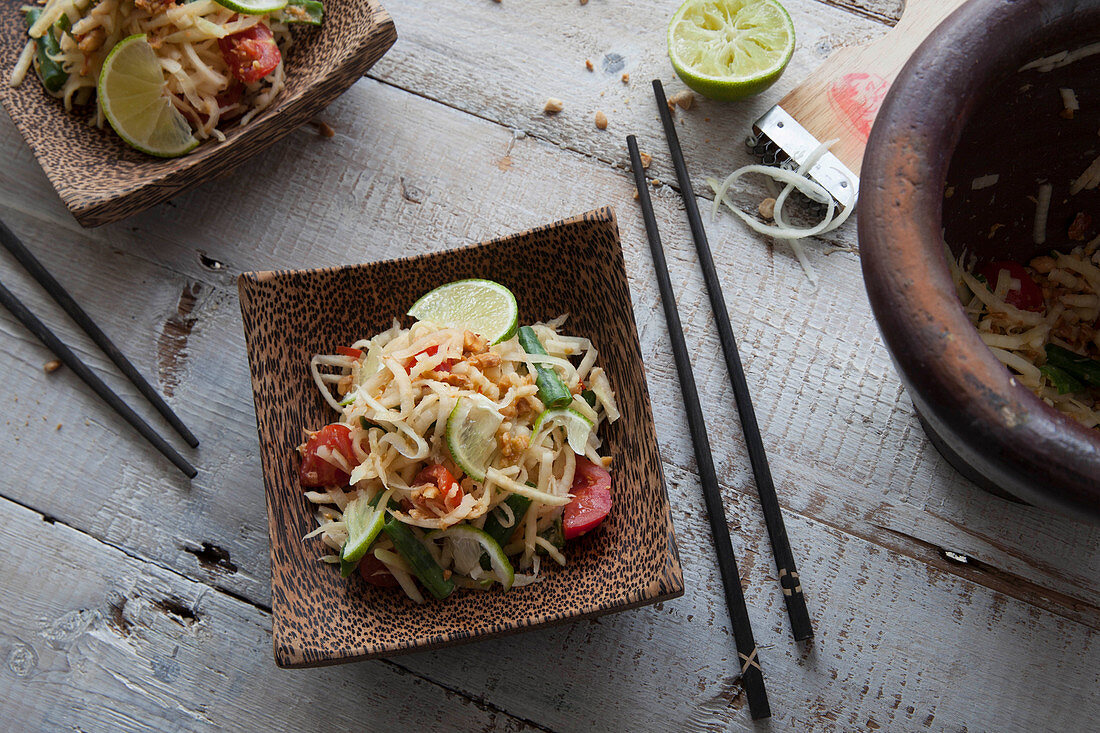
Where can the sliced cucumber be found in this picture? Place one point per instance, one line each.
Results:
(471, 434)
(554, 534)
(493, 527)
(423, 565)
(464, 533)
(577, 426)
(552, 390)
(364, 520)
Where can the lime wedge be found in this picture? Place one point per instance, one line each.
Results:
(471, 434)
(478, 541)
(253, 7)
(577, 426)
(487, 308)
(364, 521)
(132, 96)
(730, 49)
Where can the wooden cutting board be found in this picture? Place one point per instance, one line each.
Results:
(842, 96)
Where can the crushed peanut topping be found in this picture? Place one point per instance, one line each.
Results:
(474, 344)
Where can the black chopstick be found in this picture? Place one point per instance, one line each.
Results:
(801, 626)
(70, 306)
(752, 678)
(71, 360)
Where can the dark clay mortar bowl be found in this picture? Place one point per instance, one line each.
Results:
(958, 110)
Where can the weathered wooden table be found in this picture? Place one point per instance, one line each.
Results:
(132, 599)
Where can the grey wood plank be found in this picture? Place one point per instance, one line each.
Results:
(93, 639)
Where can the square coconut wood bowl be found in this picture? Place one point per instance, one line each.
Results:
(101, 179)
(575, 267)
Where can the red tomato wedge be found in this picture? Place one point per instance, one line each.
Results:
(591, 499)
(1028, 296)
(348, 351)
(251, 54)
(375, 572)
(316, 471)
(450, 493)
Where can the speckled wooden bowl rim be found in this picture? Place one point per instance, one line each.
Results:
(995, 424)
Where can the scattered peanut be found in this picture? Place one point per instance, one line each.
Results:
(635, 193)
(553, 106)
(646, 159)
(92, 41)
(51, 366)
(601, 120)
(626, 78)
(767, 208)
(588, 65)
(683, 99)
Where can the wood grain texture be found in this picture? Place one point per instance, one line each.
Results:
(101, 179)
(907, 639)
(136, 647)
(572, 267)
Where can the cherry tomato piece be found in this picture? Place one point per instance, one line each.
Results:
(375, 572)
(251, 54)
(1028, 296)
(450, 493)
(591, 499)
(316, 471)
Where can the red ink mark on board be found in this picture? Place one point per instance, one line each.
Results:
(856, 99)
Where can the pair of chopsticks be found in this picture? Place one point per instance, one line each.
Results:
(71, 360)
(751, 673)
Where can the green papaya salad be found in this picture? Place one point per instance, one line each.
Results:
(466, 449)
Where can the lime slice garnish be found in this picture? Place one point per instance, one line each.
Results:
(487, 308)
(253, 7)
(133, 98)
(730, 49)
(471, 434)
(478, 540)
(577, 426)
(364, 521)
